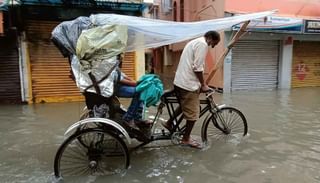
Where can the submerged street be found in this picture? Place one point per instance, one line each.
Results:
(283, 145)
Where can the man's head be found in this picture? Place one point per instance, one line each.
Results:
(212, 38)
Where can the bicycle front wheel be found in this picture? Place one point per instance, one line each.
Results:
(225, 124)
(99, 153)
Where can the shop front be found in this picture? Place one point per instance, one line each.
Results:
(51, 78)
(306, 64)
(49, 73)
(258, 61)
(255, 65)
(10, 89)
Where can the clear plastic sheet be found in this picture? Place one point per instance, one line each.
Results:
(150, 33)
(144, 32)
(93, 42)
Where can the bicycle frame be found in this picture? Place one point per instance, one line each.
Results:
(170, 99)
(215, 109)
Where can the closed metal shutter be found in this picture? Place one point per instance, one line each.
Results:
(306, 64)
(128, 65)
(50, 71)
(50, 76)
(255, 65)
(10, 88)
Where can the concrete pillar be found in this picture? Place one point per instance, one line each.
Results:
(25, 69)
(227, 66)
(140, 59)
(285, 65)
(227, 73)
(139, 64)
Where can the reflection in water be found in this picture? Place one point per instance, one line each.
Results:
(283, 146)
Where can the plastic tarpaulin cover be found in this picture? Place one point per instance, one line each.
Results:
(92, 49)
(84, 38)
(150, 33)
(101, 42)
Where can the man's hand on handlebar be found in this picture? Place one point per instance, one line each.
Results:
(205, 88)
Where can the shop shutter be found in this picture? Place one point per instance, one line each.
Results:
(51, 80)
(10, 88)
(128, 65)
(255, 65)
(50, 71)
(306, 64)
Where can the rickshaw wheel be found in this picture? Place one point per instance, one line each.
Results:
(228, 124)
(99, 153)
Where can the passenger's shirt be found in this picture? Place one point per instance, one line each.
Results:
(115, 75)
(192, 60)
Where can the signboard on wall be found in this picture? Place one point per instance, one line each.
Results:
(275, 24)
(312, 26)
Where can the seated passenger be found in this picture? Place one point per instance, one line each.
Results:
(126, 87)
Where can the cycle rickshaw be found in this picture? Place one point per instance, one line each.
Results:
(99, 145)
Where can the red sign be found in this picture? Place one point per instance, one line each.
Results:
(301, 70)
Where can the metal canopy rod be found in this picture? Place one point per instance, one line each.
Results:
(241, 32)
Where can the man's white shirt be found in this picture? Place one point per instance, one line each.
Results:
(192, 60)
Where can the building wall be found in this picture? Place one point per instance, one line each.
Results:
(305, 9)
(1, 22)
(289, 8)
(285, 56)
(192, 11)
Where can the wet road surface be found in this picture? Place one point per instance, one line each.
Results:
(283, 145)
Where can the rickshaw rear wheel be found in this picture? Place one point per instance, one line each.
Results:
(99, 153)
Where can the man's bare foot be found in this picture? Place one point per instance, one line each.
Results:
(191, 143)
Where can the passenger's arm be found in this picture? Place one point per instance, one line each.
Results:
(127, 81)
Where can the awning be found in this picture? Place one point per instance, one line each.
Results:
(119, 5)
(275, 24)
(3, 5)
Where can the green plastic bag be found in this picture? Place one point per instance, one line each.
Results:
(150, 88)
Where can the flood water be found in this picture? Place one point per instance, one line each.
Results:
(283, 145)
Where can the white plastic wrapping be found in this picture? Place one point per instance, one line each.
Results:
(92, 49)
(99, 70)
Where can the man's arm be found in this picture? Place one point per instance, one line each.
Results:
(204, 86)
(199, 62)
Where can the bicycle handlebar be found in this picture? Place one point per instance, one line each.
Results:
(210, 92)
